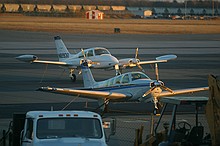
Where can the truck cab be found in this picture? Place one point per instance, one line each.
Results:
(58, 128)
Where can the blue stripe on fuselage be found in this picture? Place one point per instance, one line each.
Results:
(119, 87)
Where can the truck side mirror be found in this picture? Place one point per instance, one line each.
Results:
(109, 124)
(23, 139)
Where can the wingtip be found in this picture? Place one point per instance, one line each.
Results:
(46, 89)
(39, 89)
(43, 89)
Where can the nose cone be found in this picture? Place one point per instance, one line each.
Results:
(113, 60)
(156, 92)
(105, 61)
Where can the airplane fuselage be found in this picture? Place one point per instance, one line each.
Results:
(134, 84)
(100, 57)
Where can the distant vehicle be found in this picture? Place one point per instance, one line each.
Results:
(63, 128)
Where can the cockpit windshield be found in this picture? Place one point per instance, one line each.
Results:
(100, 51)
(138, 75)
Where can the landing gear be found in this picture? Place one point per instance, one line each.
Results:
(117, 70)
(156, 112)
(72, 75)
(157, 109)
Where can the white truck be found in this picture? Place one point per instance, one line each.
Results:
(64, 128)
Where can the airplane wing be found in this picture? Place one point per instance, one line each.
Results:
(34, 59)
(183, 91)
(159, 59)
(151, 62)
(51, 62)
(86, 93)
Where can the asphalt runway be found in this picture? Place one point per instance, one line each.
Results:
(198, 56)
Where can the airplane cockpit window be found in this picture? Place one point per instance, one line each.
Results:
(125, 79)
(100, 51)
(138, 75)
(117, 80)
(111, 82)
(89, 53)
(81, 55)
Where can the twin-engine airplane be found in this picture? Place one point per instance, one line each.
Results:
(97, 57)
(127, 87)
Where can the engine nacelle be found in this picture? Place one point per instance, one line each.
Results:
(133, 62)
(156, 84)
(89, 62)
(129, 62)
(27, 58)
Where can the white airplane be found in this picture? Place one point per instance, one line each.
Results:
(127, 87)
(97, 57)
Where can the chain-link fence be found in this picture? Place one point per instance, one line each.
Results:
(127, 126)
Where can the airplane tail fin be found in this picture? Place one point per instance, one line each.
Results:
(88, 79)
(62, 51)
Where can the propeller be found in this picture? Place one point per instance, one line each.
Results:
(90, 62)
(136, 53)
(156, 88)
(138, 60)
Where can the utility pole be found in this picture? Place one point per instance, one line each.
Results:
(213, 7)
(185, 7)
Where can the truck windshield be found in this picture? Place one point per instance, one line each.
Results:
(48, 128)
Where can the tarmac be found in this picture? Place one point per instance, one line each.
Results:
(198, 56)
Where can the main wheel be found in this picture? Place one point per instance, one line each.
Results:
(73, 77)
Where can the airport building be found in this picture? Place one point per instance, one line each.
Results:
(94, 14)
(97, 11)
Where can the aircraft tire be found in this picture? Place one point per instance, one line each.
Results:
(156, 112)
(73, 78)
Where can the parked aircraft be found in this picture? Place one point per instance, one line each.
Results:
(97, 57)
(127, 87)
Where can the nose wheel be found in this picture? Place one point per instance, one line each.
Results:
(72, 75)
(158, 109)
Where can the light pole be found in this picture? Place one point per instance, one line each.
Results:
(185, 7)
(213, 8)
